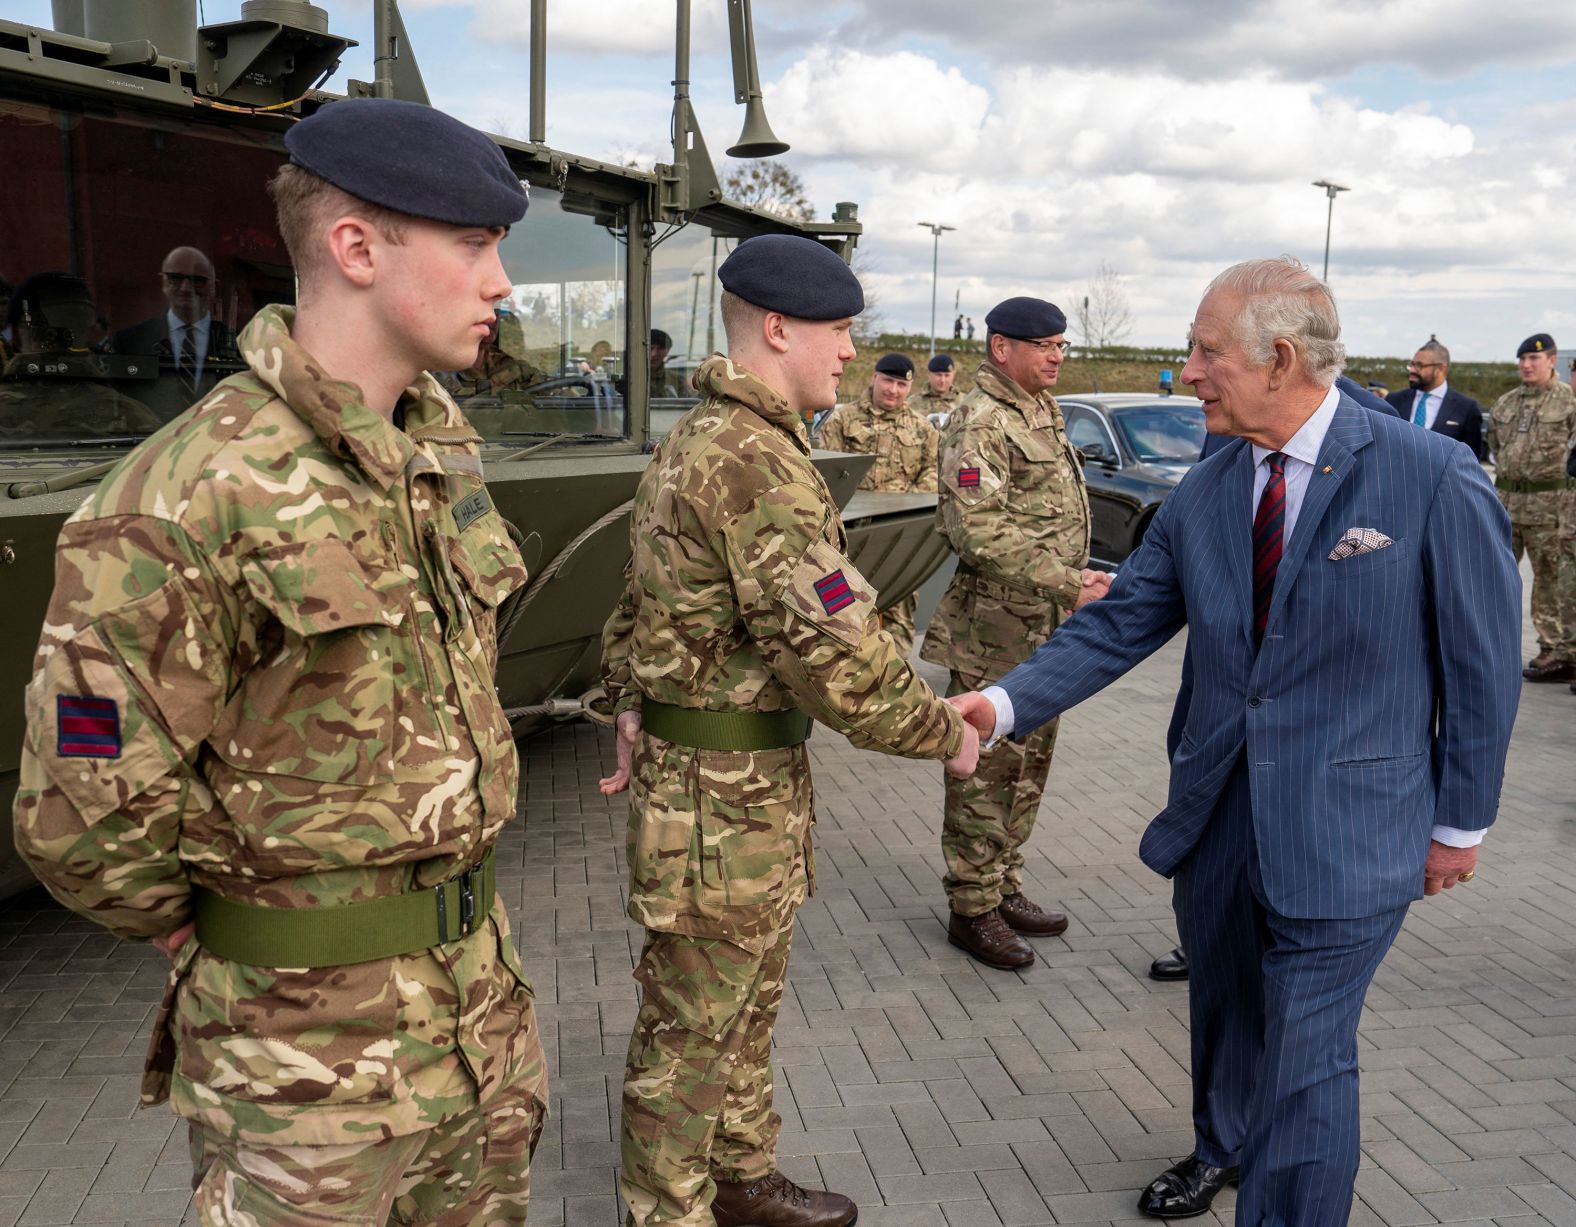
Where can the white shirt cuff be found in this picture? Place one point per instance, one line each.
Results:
(1000, 700)
(1454, 838)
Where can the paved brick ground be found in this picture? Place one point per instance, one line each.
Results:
(935, 1092)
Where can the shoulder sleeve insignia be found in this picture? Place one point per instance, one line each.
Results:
(834, 592)
(87, 727)
(968, 477)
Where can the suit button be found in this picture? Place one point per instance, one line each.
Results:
(1253, 701)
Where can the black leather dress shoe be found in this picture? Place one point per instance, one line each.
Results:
(1185, 1189)
(1171, 966)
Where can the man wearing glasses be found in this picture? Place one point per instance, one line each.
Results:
(1013, 505)
(186, 337)
(1430, 402)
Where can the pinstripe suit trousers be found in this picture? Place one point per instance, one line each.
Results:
(1274, 1004)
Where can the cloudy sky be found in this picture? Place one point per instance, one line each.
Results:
(1167, 138)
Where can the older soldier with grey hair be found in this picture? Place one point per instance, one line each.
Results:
(1353, 611)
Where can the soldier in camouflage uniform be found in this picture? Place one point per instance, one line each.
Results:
(500, 367)
(882, 424)
(1529, 433)
(1014, 507)
(263, 707)
(743, 622)
(939, 396)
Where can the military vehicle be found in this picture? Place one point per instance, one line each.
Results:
(136, 147)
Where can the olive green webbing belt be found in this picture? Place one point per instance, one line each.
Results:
(1513, 486)
(335, 935)
(724, 730)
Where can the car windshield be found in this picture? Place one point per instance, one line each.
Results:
(1162, 434)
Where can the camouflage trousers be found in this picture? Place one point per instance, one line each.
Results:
(989, 816)
(471, 1171)
(899, 623)
(1551, 549)
(698, 1082)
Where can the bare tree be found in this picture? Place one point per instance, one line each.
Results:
(768, 184)
(871, 322)
(1102, 315)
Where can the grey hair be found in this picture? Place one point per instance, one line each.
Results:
(1283, 300)
(1436, 350)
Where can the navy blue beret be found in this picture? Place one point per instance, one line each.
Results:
(793, 275)
(941, 362)
(1026, 319)
(409, 158)
(1537, 343)
(899, 365)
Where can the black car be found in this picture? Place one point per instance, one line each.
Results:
(1136, 447)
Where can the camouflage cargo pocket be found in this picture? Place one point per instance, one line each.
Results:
(1040, 476)
(1007, 623)
(322, 704)
(826, 591)
(491, 569)
(717, 840)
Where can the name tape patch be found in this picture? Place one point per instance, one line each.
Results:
(968, 477)
(470, 509)
(86, 727)
(834, 592)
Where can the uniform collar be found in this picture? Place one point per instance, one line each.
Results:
(1038, 410)
(721, 377)
(333, 408)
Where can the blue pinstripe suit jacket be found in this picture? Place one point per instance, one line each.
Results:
(1383, 696)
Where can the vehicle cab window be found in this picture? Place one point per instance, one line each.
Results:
(554, 365)
(1086, 428)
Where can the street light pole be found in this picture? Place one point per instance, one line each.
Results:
(1330, 189)
(935, 264)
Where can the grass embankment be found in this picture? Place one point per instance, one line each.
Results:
(1135, 369)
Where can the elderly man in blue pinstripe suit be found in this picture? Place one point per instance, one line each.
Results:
(1354, 613)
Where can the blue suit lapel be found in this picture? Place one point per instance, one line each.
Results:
(1349, 432)
(1237, 521)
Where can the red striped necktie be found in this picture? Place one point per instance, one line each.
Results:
(1267, 544)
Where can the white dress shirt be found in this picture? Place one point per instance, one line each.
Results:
(1435, 399)
(177, 328)
(1302, 454)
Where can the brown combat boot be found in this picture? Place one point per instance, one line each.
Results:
(1031, 918)
(1547, 667)
(776, 1201)
(989, 940)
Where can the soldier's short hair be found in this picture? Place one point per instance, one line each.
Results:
(738, 315)
(1435, 351)
(306, 204)
(1283, 300)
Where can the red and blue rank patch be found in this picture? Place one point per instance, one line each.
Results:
(834, 592)
(86, 727)
(968, 477)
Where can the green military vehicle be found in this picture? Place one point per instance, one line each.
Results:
(133, 212)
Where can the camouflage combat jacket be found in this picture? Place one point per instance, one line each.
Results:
(1529, 434)
(741, 598)
(1014, 508)
(928, 400)
(267, 669)
(901, 440)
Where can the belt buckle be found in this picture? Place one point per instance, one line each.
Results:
(468, 900)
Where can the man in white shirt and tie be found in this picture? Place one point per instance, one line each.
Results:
(1429, 401)
(186, 337)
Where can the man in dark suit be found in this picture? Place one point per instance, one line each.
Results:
(1354, 615)
(1429, 401)
(188, 342)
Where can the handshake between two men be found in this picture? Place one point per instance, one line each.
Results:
(980, 713)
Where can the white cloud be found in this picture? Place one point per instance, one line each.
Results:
(895, 107)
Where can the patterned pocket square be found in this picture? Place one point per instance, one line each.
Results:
(1357, 541)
